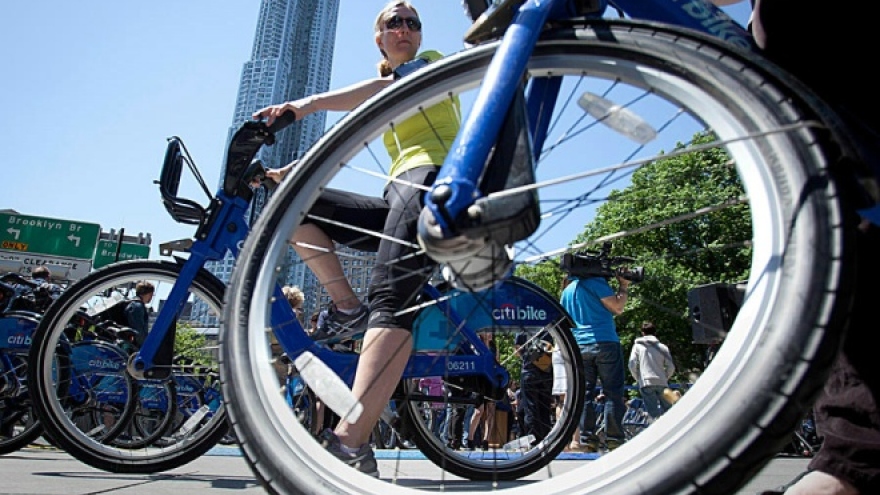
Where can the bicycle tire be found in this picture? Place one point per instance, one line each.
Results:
(206, 291)
(778, 349)
(19, 427)
(559, 434)
(104, 406)
(157, 406)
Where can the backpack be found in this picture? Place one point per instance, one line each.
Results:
(115, 313)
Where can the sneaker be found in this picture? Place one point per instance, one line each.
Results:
(612, 444)
(338, 326)
(363, 460)
(582, 448)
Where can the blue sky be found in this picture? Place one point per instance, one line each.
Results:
(92, 89)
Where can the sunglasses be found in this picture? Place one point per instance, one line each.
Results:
(396, 22)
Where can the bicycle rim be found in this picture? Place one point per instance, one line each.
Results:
(19, 427)
(148, 439)
(775, 353)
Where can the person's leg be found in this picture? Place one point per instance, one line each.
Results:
(528, 399)
(394, 283)
(317, 250)
(314, 241)
(381, 363)
(543, 406)
(456, 426)
(488, 422)
(652, 396)
(318, 423)
(591, 377)
(611, 372)
(474, 425)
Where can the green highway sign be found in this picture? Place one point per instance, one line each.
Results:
(106, 252)
(38, 235)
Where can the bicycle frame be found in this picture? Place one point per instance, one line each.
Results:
(223, 227)
(459, 176)
(16, 330)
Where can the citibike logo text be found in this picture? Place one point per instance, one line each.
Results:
(19, 340)
(105, 364)
(512, 312)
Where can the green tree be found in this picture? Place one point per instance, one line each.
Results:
(546, 275)
(677, 256)
(188, 342)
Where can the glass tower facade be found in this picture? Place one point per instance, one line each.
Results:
(291, 58)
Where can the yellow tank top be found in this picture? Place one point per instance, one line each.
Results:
(425, 138)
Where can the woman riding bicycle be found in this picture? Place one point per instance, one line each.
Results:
(416, 150)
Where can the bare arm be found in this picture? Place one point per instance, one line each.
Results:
(343, 99)
(617, 302)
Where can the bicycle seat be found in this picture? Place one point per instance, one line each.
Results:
(182, 210)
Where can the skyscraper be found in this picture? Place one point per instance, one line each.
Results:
(292, 57)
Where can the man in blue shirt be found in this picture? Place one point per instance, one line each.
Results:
(592, 304)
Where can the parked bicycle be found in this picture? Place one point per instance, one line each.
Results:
(449, 344)
(578, 106)
(177, 415)
(18, 425)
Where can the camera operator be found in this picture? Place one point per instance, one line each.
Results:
(592, 304)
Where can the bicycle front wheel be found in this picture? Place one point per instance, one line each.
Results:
(154, 434)
(728, 177)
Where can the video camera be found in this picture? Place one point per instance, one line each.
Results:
(587, 264)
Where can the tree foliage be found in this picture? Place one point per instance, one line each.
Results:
(190, 343)
(678, 256)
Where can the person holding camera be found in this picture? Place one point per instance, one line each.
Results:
(592, 304)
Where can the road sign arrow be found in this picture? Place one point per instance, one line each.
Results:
(74, 239)
(14, 232)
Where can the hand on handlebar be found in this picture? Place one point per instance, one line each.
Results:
(277, 174)
(274, 175)
(273, 112)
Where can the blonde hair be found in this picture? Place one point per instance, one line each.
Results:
(294, 295)
(384, 66)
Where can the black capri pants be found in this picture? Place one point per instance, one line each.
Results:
(398, 276)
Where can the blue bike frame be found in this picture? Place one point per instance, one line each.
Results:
(464, 164)
(460, 171)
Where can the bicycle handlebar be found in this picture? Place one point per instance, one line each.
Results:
(245, 144)
(283, 121)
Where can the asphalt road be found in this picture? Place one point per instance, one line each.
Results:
(47, 471)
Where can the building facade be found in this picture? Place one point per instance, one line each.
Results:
(292, 57)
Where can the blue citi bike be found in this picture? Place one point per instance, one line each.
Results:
(654, 117)
(173, 412)
(18, 322)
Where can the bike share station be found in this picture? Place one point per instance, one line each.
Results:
(70, 250)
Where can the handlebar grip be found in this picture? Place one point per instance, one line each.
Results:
(283, 121)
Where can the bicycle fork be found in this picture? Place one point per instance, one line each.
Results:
(480, 203)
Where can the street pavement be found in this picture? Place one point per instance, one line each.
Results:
(41, 470)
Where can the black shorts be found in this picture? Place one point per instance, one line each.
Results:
(397, 277)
